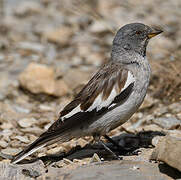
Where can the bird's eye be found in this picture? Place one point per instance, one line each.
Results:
(138, 32)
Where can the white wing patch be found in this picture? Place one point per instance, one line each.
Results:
(71, 113)
(130, 79)
(98, 103)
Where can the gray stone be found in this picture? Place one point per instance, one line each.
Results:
(31, 46)
(10, 151)
(124, 170)
(167, 122)
(114, 170)
(26, 122)
(16, 172)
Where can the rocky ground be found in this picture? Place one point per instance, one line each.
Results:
(48, 51)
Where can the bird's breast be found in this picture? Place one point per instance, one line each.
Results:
(121, 113)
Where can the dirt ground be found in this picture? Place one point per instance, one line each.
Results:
(50, 49)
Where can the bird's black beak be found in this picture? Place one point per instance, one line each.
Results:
(154, 33)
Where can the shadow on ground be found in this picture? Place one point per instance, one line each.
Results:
(129, 144)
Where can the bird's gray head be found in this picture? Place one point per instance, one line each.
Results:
(134, 37)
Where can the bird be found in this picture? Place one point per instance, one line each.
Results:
(111, 96)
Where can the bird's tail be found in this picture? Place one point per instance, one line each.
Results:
(59, 131)
(27, 151)
(44, 140)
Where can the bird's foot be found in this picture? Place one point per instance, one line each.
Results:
(120, 149)
(115, 156)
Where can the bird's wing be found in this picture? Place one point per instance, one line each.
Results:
(105, 88)
(111, 85)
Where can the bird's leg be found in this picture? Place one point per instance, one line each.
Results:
(112, 141)
(109, 150)
(97, 139)
(120, 149)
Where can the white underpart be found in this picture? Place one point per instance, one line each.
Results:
(130, 79)
(29, 153)
(71, 113)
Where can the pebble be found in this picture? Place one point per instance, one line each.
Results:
(33, 130)
(156, 140)
(26, 122)
(6, 126)
(45, 107)
(31, 46)
(22, 139)
(6, 132)
(1, 57)
(55, 150)
(60, 35)
(10, 151)
(21, 109)
(167, 122)
(82, 142)
(135, 168)
(3, 144)
(175, 107)
(67, 161)
(95, 158)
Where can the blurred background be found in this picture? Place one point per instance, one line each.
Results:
(49, 49)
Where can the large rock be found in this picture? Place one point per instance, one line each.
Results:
(125, 170)
(168, 150)
(60, 35)
(38, 78)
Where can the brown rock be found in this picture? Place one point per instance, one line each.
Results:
(38, 78)
(168, 151)
(60, 35)
(6, 126)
